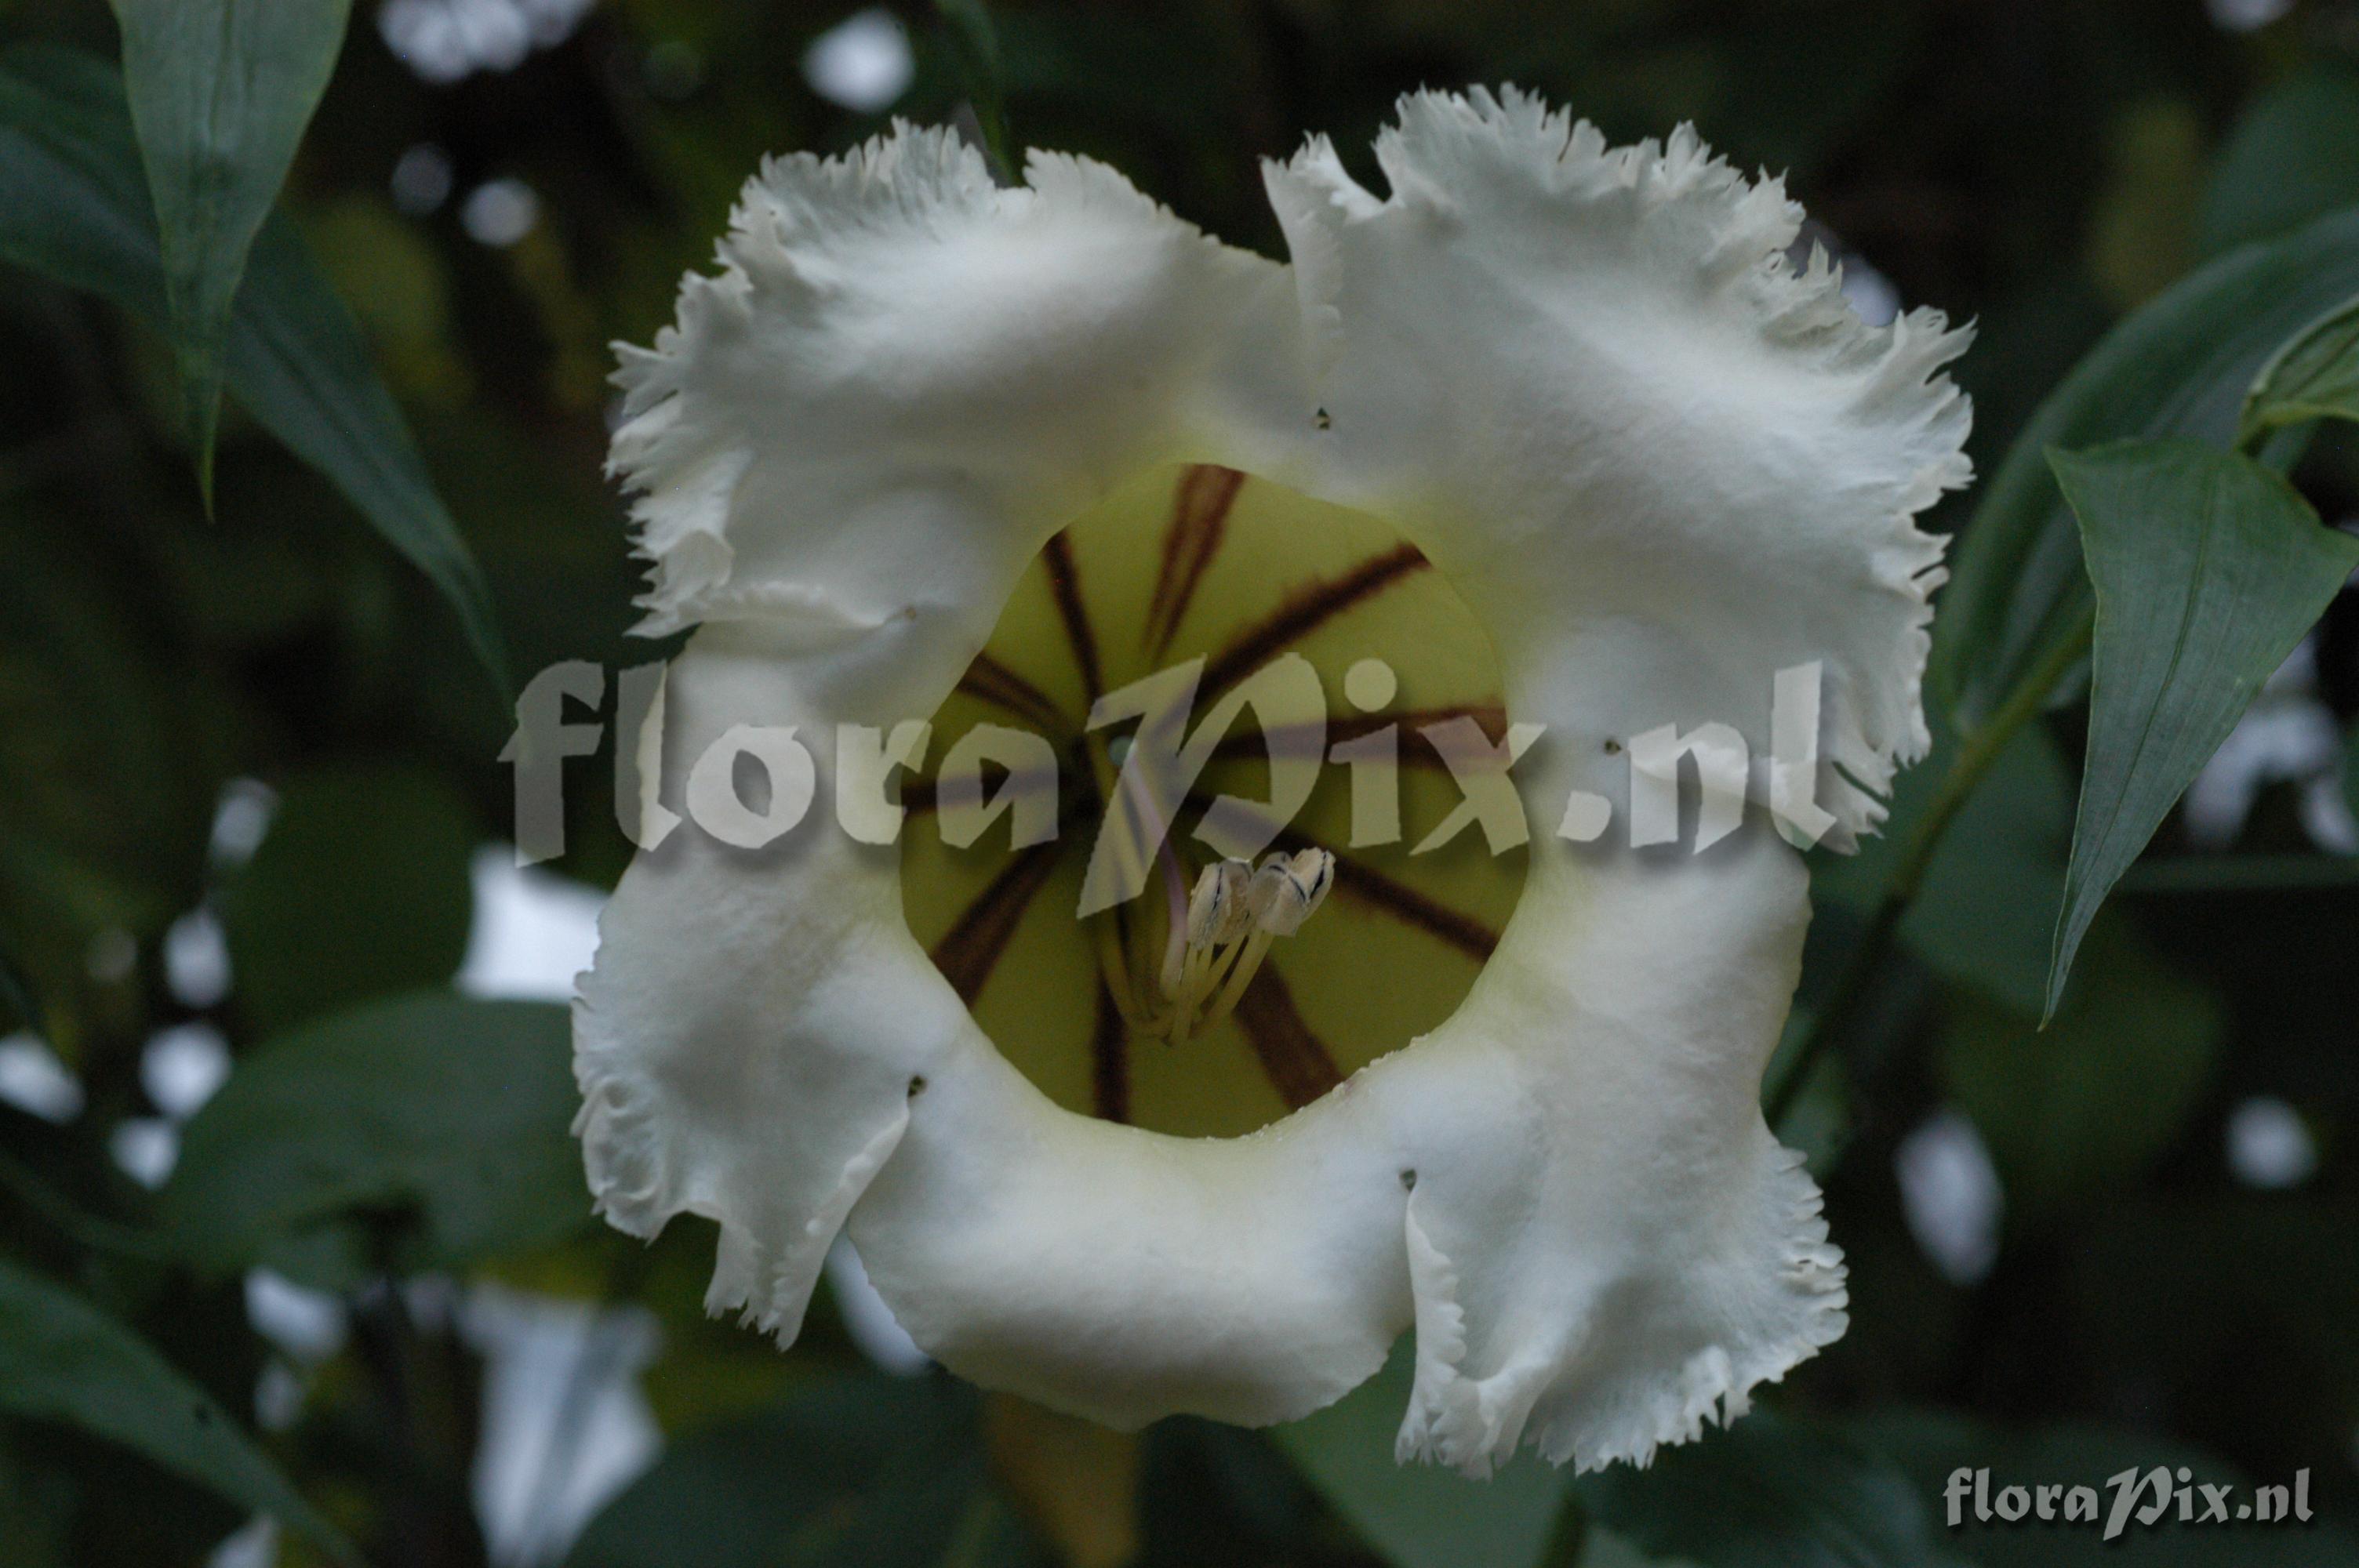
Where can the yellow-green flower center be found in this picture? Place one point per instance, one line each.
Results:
(1220, 1029)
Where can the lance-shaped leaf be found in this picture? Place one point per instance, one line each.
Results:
(2180, 366)
(2208, 570)
(2315, 376)
(63, 1360)
(220, 91)
(78, 212)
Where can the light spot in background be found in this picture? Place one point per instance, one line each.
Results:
(2288, 736)
(443, 41)
(1871, 293)
(279, 1395)
(111, 955)
(674, 68)
(499, 213)
(241, 819)
(1950, 1192)
(2245, 15)
(867, 1318)
(196, 960)
(144, 1148)
(533, 930)
(182, 1067)
(33, 1080)
(863, 63)
(422, 179)
(2269, 1144)
(307, 1324)
(565, 1427)
(254, 1545)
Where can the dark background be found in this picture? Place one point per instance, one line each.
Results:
(2172, 1274)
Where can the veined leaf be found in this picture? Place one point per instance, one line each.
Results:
(2315, 376)
(447, 1114)
(78, 211)
(220, 92)
(2208, 570)
(2181, 367)
(61, 1359)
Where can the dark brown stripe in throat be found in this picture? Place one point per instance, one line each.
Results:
(1109, 1061)
(1410, 907)
(1200, 520)
(1296, 1061)
(988, 680)
(1417, 751)
(1065, 582)
(970, 949)
(1304, 612)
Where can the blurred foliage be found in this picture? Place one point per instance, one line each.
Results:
(274, 725)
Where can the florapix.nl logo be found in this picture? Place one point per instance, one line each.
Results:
(2148, 1499)
(1159, 745)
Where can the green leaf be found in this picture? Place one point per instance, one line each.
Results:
(61, 1359)
(444, 1116)
(359, 889)
(1420, 1516)
(2293, 157)
(79, 211)
(1985, 914)
(2208, 570)
(2315, 376)
(860, 1471)
(220, 92)
(975, 48)
(2073, 1112)
(1767, 1490)
(2180, 366)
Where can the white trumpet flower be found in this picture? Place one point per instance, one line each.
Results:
(1657, 465)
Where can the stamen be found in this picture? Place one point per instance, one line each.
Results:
(1184, 979)
(1234, 913)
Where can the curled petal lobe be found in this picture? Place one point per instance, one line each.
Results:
(1586, 382)
(902, 377)
(1660, 465)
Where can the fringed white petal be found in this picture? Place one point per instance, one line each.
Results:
(1660, 465)
(895, 357)
(861, 430)
(1586, 380)
(731, 1057)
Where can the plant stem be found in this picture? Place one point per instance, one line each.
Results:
(1981, 749)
